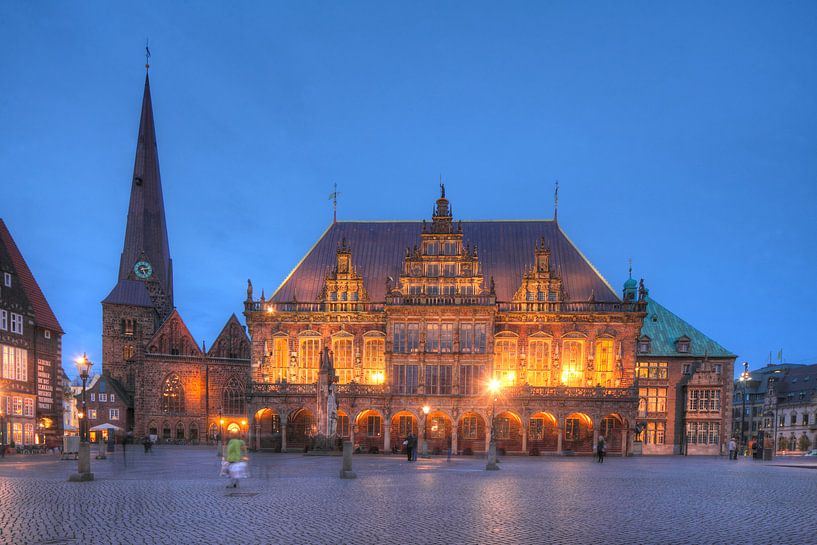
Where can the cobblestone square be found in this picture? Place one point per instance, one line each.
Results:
(175, 496)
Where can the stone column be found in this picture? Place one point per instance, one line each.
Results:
(625, 442)
(258, 436)
(596, 438)
(386, 437)
(559, 432)
(525, 425)
(454, 447)
(283, 436)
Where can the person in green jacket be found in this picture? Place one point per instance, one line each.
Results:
(236, 450)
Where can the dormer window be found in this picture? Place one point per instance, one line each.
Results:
(644, 344)
(7, 279)
(682, 345)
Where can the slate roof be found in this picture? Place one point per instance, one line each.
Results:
(798, 379)
(129, 292)
(664, 328)
(104, 383)
(43, 315)
(506, 252)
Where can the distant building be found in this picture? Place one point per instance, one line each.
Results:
(175, 388)
(684, 385)
(30, 354)
(781, 401)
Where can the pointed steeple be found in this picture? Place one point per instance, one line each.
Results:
(146, 231)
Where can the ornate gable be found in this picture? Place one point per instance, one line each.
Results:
(232, 342)
(343, 283)
(173, 338)
(540, 283)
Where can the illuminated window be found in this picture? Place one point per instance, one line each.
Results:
(343, 425)
(308, 359)
(505, 360)
(572, 363)
(656, 432)
(405, 425)
(652, 400)
(14, 362)
(113, 414)
(91, 414)
(503, 428)
(17, 406)
(172, 400)
(471, 379)
(17, 432)
(343, 359)
(652, 370)
(28, 407)
(604, 363)
(28, 434)
(374, 360)
(436, 427)
(232, 398)
(470, 427)
(572, 427)
(128, 351)
(279, 360)
(539, 362)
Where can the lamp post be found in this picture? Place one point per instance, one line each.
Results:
(744, 378)
(84, 458)
(493, 389)
(426, 410)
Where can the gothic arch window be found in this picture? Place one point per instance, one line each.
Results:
(179, 431)
(172, 400)
(232, 398)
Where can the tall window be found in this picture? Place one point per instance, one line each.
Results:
(438, 379)
(405, 425)
(436, 427)
(432, 337)
(344, 364)
(505, 360)
(604, 363)
(406, 338)
(374, 425)
(703, 433)
(440, 338)
(503, 428)
(232, 398)
(652, 400)
(704, 400)
(472, 338)
(470, 427)
(279, 359)
(16, 323)
(405, 379)
(539, 362)
(172, 401)
(14, 362)
(656, 432)
(471, 379)
(572, 363)
(128, 351)
(374, 360)
(4, 320)
(309, 359)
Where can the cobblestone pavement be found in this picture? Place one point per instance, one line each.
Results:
(175, 496)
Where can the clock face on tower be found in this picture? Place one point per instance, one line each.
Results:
(143, 270)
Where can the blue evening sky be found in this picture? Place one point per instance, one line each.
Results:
(683, 135)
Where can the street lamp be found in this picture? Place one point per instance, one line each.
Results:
(426, 410)
(84, 458)
(493, 388)
(744, 378)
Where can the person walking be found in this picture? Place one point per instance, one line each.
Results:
(414, 443)
(449, 448)
(236, 450)
(408, 447)
(733, 449)
(601, 449)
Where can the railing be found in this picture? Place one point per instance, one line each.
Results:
(525, 391)
(354, 389)
(283, 388)
(571, 306)
(441, 300)
(333, 306)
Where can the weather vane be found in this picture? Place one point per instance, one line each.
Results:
(333, 196)
(147, 54)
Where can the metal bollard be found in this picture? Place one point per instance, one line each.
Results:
(346, 470)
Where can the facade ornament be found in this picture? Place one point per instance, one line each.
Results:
(249, 290)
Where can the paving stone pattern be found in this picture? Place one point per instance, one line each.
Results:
(175, 496)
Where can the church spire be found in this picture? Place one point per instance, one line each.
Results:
(146, 231)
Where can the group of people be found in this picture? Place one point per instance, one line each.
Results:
(411, 447)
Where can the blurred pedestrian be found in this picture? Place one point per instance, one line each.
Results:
(601, 449)
(733, 449)
(449, 448)
(236, 452)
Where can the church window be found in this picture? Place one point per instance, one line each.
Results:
(604, 363)
(194, 432)
(406, 379)
(505, 360)
(172, 400)
(308, 359)
(179, 431)
(438, 379)
(343, 362)
(471, 381)
(280, 358)
(232, 398)
(539, 362)
(166, 431)
(572, 363)
(374, 360)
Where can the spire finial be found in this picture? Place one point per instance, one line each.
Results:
(147, 54)
(631, 266)
(442, 187)
(334, 198)
(556, 202)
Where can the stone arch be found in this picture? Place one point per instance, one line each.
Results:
(268, 427)
(403, 422)
(543, 433)
(194, 433)
(614, 428)
(578, 433)
(369, 431)
(508, 430)
(300, 427)
(343, 424)
(212, 432)
(179, 434)
(166, 433)
(438, 430)
(472, 430)
(152, 429)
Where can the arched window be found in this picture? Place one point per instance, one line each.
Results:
(374, 359)
(505, 360)
(179, 431)
(604, 363)
(232, 398)
(172, 401)
(194, 432)
(572, 362)
(539, 362)
(166, 431)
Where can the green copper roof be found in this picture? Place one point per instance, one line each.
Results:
(664, 328)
